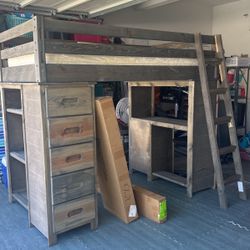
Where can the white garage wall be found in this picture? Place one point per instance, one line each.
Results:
(183, 16)
(233, 22)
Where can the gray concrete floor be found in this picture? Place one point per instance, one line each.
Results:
(195, 223)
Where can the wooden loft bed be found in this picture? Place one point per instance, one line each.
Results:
(52, 82)
(48, 61)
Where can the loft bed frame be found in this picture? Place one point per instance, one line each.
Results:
(45, 60)
(39, 60)
(53, 61)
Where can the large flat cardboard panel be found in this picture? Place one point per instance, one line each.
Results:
(114, 180)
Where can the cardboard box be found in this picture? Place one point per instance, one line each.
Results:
(112, 170)
(151, 205)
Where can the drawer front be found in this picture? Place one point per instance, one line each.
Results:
(72, 214)
(70, 130)
(69, 101)
(71, 158)
(73, 186)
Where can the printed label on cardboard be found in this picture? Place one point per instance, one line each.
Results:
(240, 186)
(132, 211)
(163, 211)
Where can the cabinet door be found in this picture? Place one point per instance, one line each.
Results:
(71, 158)
(73, 185)
(70, 130)
(72, 214)
(63, 101)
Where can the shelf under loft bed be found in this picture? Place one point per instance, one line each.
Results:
(177, 179)
(21, 198)
(166, 122)
(18, 155)
(15, 111)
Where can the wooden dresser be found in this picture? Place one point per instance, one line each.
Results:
(57, 183)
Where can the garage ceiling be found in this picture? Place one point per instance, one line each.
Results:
(87, 8)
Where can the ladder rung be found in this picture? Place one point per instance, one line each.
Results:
(227, 150)
(212, 60)
(218, 91)
(232, 179)
(222, 120)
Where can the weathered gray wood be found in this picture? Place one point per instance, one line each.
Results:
(6, 142)
(202, 168)
(161, 149)
(210, 123)
(65, 101)
(1, 62)
(168, 123)
(39, 52)
(72, 214)
(71, 158)
(229, 112)
(70, 130)
(64, 47)
(90, 29)
(139, 146)
(73, 185)
(36, 162)
(20, 50)
(76, 73)
(190, 138)
(177, 179)
(16, 31)
(19, 74)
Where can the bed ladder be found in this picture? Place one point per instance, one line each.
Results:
(224, 92)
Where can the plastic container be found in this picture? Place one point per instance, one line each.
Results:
(4, 172)
(13, 20)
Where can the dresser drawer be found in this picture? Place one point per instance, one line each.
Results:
(72, 214)
(70, 130)
(71, 158)
(72, 186)
(69, 101)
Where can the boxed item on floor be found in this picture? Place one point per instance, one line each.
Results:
(112, 170)
(151, 205)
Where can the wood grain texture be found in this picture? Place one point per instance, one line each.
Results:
(79, 73)
(19, 74)
(68, 101)
(20, 50)
(36, 161)
(72, 214)
(67, 47)
(73, 185)
(70, 130)
(71, 158)
(114, 60)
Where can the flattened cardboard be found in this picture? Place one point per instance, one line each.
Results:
(112, 170)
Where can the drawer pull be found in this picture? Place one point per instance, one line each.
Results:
(73, 130)
(69, 101)
(75, 212)
(73, 158)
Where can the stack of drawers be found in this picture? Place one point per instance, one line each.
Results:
(70, 123)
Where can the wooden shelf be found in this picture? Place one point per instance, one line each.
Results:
(15, 111)
(166, 122)
(177, 179)
(18, 155)
(21, 197)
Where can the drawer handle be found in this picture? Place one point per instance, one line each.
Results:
(72, 158)
(75, 212)
(69, 101)
(73, 130)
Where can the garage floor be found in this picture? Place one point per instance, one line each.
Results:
(196, 223)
